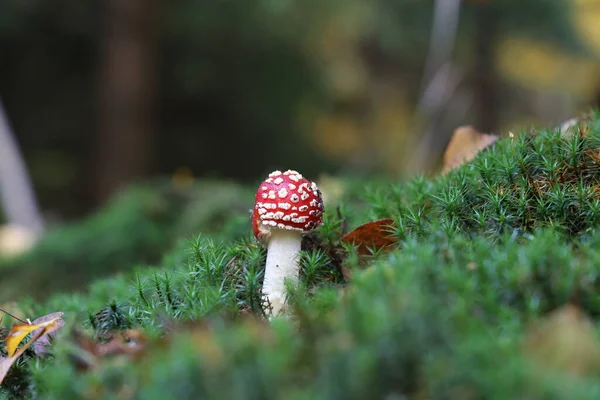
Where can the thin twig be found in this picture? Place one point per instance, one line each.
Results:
(442, 37)
(440, 78)
(14, 317)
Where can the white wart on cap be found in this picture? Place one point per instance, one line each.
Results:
(286, 200)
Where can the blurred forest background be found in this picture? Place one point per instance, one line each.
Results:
(102, 93)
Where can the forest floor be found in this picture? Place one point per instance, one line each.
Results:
(481, 282)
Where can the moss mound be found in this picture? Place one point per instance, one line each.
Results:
(484, 254)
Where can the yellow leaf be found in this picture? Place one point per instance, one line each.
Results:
(535, 64)
(466, 142)
(586, 14)
(337, 135)
(19, 332)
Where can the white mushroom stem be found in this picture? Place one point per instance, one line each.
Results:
(282, 265)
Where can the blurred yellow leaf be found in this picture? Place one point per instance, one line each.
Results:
(337, 136)
(20, 331)
(388, 129)
(42, 327)
(537, 65)
(466, 142)
(586, 18)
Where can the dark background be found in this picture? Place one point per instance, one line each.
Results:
(102, 93)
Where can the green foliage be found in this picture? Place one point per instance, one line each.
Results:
(522, 184)
(227, 73)
(254, 74)
(418, 322)
(484, 252)
(137, 227)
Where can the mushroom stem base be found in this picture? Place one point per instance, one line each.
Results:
(282, 264)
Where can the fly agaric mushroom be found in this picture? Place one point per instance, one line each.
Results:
(287, 205)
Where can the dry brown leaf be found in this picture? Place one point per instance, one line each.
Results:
(564, 341)
(465, 144)
(566, 126)
(375, 235)
(117, 346)
(577, 125)
(5, 364)
(40, 347)
(128, 343)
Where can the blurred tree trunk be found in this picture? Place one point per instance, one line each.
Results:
(486, 77)
(17, 196)
(124, 146)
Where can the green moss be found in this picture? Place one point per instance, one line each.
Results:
(483, 252)
(137, 227)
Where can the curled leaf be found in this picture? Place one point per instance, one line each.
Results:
(465, 144)
(372, 236)
(5, 364)
(40, 347)
(128, 343)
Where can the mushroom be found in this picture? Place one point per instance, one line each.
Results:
(287, 205)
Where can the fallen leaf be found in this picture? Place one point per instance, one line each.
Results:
(117, 346)
(564, 341)
(85, 359)
(40, 347)
(567, 128)
(372, 236)
(128, 343)
(465, 144)
(7, 362)
(567, 125)
(18, 332)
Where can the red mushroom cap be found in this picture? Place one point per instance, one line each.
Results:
(286, 200)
